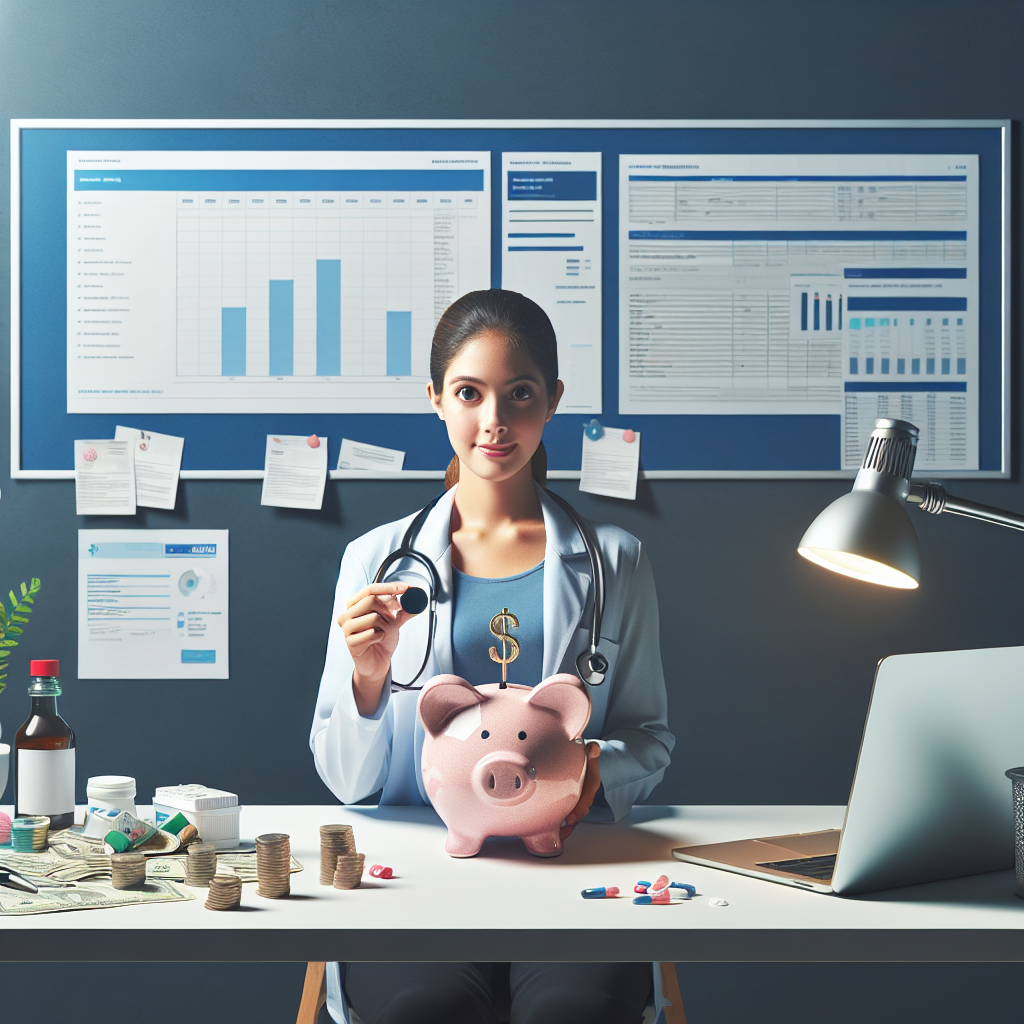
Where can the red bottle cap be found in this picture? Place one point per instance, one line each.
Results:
(44, 668)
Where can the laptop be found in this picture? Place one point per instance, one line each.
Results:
(929, 800)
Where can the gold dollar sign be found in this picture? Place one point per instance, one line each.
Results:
(500, 626)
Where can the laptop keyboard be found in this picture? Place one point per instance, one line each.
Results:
(808, 867)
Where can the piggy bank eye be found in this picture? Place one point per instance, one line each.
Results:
(484, 734)
(522, 735)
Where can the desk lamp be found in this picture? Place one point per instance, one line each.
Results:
(867, 533)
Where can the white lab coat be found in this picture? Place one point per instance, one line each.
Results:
(357, 756)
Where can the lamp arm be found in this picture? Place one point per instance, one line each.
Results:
(933, 497)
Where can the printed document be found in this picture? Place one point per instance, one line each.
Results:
(104, 478)
(157, 465)
(611, 464)
(295, 471)
(266, 282)
(153, 604)
(359, 455)
(837, 285)
(551, 251)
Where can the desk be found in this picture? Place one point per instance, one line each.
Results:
(507, 905)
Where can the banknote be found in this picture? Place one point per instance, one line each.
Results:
(69, 857)
(241, 864)
(88, 896)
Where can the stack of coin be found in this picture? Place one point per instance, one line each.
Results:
(201, 864)
(29, 834)
(273, 865)
(334, 841)
(128, 870)
(349, 871)
(225, 892)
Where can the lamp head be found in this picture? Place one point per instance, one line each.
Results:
(867, 533)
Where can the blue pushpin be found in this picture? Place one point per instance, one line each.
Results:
(593, 430)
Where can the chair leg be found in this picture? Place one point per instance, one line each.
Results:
(314, 993)
(674, 1012)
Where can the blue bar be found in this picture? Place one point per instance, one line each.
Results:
(828, 312)
(282, 181)
(906, 385)
(566, 186)
(855, 323)
(895, 303)
(399, 344)
(801, 236)
(901, 366)
(817, 312)
(906, 272)
(541, 234)
(798, 177)
(803, 311)
(869, 322)
(282, 327)
(915, 365)
(885, 365)
(545, 248)
(853, 366)
(945, 321)
(945, 366)
(929, 366)
(869, 365)
(840, 312)
(328, 318)
(232, 341)
(198, 657)
(961, 366)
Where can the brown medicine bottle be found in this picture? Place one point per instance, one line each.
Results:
(44, 753)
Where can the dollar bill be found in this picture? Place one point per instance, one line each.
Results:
(241, 864)
(88, 896)
(69, 857)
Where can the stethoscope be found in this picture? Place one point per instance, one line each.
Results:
(591, 665)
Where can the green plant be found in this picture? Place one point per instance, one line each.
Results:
(14, 623)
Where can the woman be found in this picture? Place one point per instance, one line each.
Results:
(496, 531)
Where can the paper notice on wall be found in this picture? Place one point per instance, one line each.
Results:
(104, 478)
(157, 465)
(153, 604)
(611, 464)
(358, 455)
(295, 471)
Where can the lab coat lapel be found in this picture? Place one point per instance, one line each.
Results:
(565, 589)
(434, 541)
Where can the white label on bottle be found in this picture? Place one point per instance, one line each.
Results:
(46, 781)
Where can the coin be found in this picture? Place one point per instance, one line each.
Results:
(349, 871)
(225, 892)
(273, 865)
(334, 841)
(29, 834)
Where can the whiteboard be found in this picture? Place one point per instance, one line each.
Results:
(716, 444)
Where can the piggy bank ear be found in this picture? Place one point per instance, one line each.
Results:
(564, 694)
(442, 699)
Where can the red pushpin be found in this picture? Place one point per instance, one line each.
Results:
(628, 436)
(313, 441)
(380, 871)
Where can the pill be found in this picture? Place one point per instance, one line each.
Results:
(641, 887)
(600, 893)
(661, 899)
(380, 871)
(690, 889)
(661, 882)
(717, 901)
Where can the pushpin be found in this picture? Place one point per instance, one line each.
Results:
(379, 871)
(593, 430)
(313, 441)
(89, 454)
(628, 436)
(600, 893)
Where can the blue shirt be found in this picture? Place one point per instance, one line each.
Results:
(476, 600)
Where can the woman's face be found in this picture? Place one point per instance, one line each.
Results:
(495, 405)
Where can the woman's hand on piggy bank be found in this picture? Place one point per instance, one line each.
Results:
(370, 624)
(591, 784)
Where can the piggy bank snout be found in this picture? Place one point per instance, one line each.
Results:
(505, 777)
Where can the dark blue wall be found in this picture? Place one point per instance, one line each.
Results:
(769, 661)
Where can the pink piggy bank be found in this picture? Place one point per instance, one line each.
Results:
(503, 762)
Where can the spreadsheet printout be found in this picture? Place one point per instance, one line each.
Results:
(841, 285)
(284, 282)
(551, 251)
